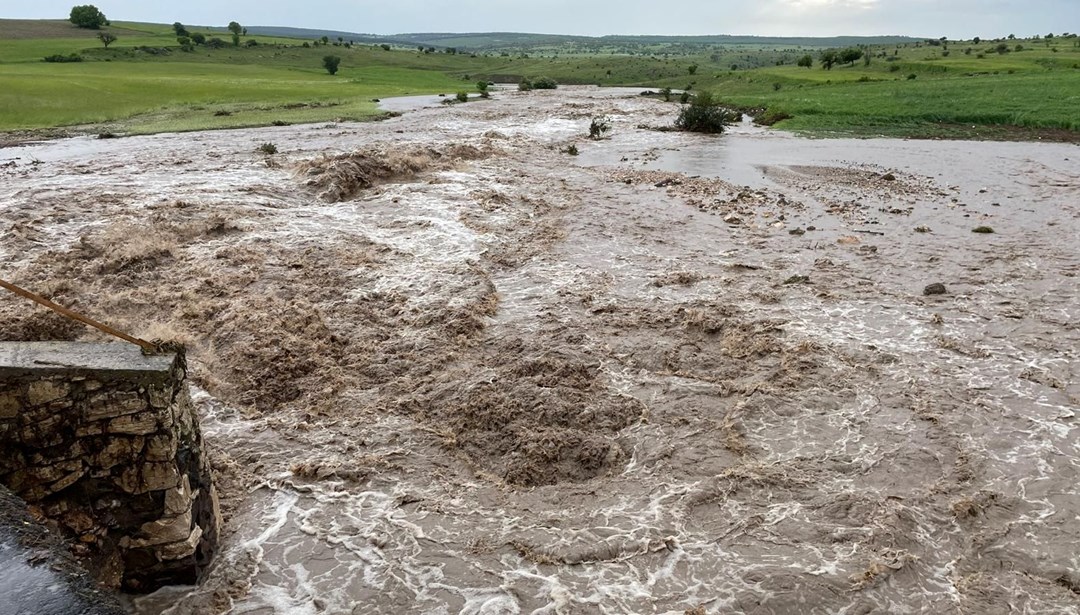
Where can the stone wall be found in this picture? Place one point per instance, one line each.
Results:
(104, 442)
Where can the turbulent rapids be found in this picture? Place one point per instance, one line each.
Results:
(445, 367)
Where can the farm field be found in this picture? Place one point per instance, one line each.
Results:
(144, 82)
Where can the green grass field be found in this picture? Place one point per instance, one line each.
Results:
(144, 83)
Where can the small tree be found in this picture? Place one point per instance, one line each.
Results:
(829, 57)
(180, 29)
(692, 69)
(235, 28)
(976, 40)
(851, 55)
(807, 61)
(198, 39)
(325, 40)
(107, 39)
(88, 16)
(331, 63)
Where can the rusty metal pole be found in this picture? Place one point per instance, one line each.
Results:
(63, 311)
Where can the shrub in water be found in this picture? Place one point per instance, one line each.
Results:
(267, 148)
(703, 114)
(544, 83)
(599, 126)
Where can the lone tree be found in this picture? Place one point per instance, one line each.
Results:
(236, 29)
(330, 63)
(107, 39)
(180, 29)
(807, 61)
(88, 16)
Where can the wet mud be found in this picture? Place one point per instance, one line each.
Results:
(447, 368)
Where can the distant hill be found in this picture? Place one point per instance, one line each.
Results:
(496, 41)
(22, 29)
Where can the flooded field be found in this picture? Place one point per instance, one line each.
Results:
(446, 367)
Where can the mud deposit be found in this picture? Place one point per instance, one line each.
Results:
(447, 368)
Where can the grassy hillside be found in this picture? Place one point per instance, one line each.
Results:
(145, 83)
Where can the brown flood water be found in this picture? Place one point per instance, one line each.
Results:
(446, 368)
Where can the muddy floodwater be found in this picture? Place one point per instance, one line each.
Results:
(445, 367)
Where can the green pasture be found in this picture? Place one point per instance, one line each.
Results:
(144, 83)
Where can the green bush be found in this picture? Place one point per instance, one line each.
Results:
(60, 58)
(462, 97)
(525, 85)
(544, 83)
(703, 114)
(331, 63)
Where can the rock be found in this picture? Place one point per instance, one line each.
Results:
(112, 405)
(889, 177)
(180, 550)
(796, 231)
(148, 477)
(137, 424)
(922, 229)
(9, 405)
(44, 391)
(732, 219)
(117, 451)
(985, 230)
(935, 289)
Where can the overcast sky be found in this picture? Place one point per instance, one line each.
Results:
(952, 18)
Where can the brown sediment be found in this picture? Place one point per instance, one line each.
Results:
(547, 381)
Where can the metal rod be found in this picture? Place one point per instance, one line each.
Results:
(63, 311)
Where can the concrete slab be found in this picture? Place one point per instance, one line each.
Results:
(22, 359)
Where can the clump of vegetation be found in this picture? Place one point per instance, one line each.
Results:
(267, 148)
(462, 96)
(61, 58)
(703, 114)
(599, 126)
(572, 150)
(482, 87)
(107, 39)
(88, 16)
(666, 93)
(985, 230)
(771, 117)
(539, 83)
(331, 64)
